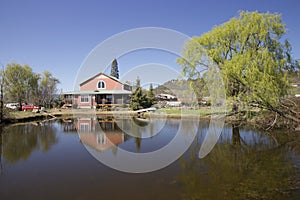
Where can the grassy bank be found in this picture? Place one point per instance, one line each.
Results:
(17, 116)
(255, 118)
(199, 112)
(173, 111)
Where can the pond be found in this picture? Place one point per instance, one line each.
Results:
(58, 160)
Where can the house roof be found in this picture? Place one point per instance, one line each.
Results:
(98, 92)
(101, 73)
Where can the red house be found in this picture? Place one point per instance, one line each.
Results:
(100, 89)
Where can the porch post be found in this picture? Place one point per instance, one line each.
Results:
(112, 99)
(92, 101)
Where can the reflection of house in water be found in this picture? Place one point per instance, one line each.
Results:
(100, 134)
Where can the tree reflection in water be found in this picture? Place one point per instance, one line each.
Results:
(19, 141)
(239, 169)
(1, 141)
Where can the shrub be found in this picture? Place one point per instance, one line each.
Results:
(106, 107)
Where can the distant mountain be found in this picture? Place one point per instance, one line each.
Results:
(182, 90)
(171, 87)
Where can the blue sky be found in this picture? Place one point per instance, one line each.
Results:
(58, 35)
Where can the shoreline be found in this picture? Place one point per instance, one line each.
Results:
(69, 113)
(32, 117)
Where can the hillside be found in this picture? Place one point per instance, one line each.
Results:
(182, 90)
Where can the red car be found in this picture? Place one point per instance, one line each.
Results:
(30, 107)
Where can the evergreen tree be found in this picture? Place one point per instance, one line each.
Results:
(151, 97)
(137, 95)
(140, 100)
(114, 69)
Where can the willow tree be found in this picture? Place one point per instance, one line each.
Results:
(251, 56)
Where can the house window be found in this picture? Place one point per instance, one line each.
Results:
(84, 98)
(101, 85)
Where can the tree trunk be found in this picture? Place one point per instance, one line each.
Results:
(283, 114)
(1, 141)
(236, 137)
(235, 108)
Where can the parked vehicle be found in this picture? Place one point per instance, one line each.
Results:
(30, 107)
(14, 106)
(173, 103)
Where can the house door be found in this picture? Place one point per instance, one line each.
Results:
(100, 98)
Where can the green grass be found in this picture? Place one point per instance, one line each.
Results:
(295, 90)
(22, 114)
(178, 111)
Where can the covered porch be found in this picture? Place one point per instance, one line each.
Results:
(101, 99)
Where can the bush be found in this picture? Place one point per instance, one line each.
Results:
(7, 113)
(106, 107)
(74, 106)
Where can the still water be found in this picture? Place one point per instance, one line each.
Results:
(50, 160)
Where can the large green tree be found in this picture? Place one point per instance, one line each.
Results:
(114, 69)
(47, 88)
(22, 85)
(198, 85)
(20, 82)
(251, 57)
